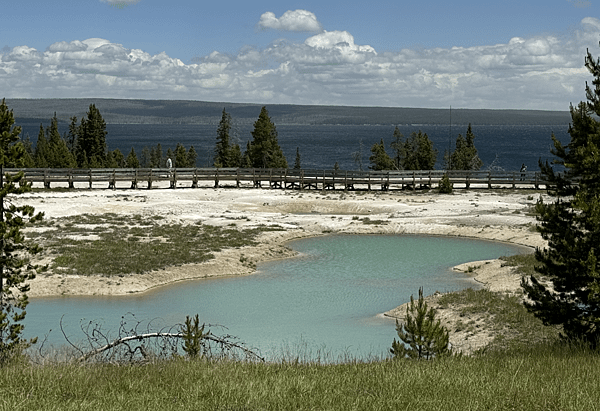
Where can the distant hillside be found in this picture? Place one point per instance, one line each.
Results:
(120, 111)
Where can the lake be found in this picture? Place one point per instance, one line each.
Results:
(325, 300)
(321, 146)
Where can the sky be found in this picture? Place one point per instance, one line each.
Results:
(432, 54)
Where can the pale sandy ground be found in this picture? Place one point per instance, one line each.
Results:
(494, 215)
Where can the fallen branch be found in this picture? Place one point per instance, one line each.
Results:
(224, 342)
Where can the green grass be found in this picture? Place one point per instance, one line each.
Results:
(504, 315)
(543, 377)
(524, 262)
(113, 244)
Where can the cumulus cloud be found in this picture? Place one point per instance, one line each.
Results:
(296, 20)
(541, 72)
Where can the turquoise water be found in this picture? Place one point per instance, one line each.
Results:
(325, 300)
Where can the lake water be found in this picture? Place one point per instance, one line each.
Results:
(501, 147)
(326, 299)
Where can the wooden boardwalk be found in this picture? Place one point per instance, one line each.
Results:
(276, 178)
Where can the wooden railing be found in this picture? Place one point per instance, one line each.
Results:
(278, 178)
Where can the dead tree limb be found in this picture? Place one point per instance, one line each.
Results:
(224, 342)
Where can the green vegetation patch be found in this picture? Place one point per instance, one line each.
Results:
(504, 313)
(112, 244)
(539, 378)
(524, 262)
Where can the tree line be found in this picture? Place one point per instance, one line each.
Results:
(413, 153)
(84, 146)
(417, 153)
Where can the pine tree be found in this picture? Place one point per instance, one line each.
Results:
(380, 160)
(181, 158)
(71, 139)
(465, 155)
(145, 158)
(264, 149)
(59, 155)
(399, 149)
(567, 291)
(297, 163)
(91, 139)
(425, 336)
(28, 156)
(420, 154)
(132, 161)
(119, 158)
(41, 154)
(15, 268)
(156, 157)
(236, 158)
(223, 146)
(192, 157)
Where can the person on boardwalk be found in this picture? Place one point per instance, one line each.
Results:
(523, 170)
(169, 163)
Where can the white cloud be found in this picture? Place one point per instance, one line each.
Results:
(296, 20)
(541, 72)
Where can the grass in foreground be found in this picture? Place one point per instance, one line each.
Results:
(110, 244)
(542, 377)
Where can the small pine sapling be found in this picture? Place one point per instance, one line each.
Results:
(193, 336)
(421, 335)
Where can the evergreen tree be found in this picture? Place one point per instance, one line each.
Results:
(132, 161)
(15, 268)
(425, 336)
(41, 153)
(145, 158)
(91, 139)
(420, 154)
(297, 164)
(236, 158)
(567, 291)
(264, 149)
(246, 162)
(181, 159)
(192, 157)
(465, 155)
(28, 156)
(156, 157)
(223, 146)
(399, 149)
(59, 155)
(380, 160)
(110, 160)
(445, 185)
(71, 139)
(118, 158)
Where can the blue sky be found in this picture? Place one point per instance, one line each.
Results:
(471, 54)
